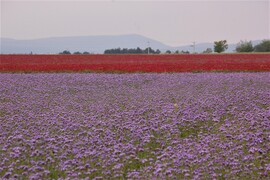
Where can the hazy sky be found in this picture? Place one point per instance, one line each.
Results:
(171, 22)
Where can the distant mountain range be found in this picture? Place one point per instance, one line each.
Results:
(93, 44)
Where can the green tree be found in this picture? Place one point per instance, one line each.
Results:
(220, 46)
(157, 51)
(124, 51)
(184, 52)
(65, 52)
(208, 51)
(77, 52)
(168, 52)
(108, 51)
(244, 46)
(85, 52)
(131, 51)
(264, 46)
(138, 51)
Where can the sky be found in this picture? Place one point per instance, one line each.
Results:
(171, 22)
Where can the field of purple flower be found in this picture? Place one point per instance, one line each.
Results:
(135, 126)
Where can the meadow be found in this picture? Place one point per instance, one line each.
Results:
(135, 126)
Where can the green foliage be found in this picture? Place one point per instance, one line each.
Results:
(220, 46)
(184, 52)
(168, 52)
(55, 173)
(244, 46)
(65, 52)
(130, 166)
(131, 51)
(264, 46)
(77, 52)
(2, 113)
(208, 51)
(158, 51)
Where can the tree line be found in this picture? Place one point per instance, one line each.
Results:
(129, 51)
(77, 52)
(132, 51)
(243, 46)
(247, 46)
(219, 47)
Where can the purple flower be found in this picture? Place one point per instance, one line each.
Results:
(134, 126)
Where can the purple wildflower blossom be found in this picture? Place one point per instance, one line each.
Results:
(137, 126)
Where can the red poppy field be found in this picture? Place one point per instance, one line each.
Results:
(135, 63)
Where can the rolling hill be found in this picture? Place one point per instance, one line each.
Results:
(92, 44)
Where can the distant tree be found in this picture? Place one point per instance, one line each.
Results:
(152, 51)
(220, 46)
(264, 46)
(65, 52)
(124, 51)
(208, 51)
(77, 52)
(118, 51)
(131, 51)
(185, 52)
(85, 52)
(149, 50)
(168, 52)
(138, 51)
(107, 51)
(176, 52)
(244, 46)
(157, 51)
